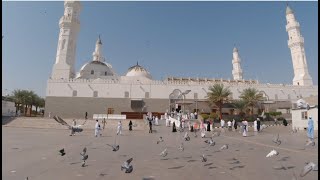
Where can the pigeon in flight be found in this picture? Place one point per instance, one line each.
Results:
(127, 166)
(210, 142)
(114, 147)
(181, 148)
(310, 166)
(224, 147)
(160, 140)
(277, 140)
(164, 153)
(203, 158)
(272, 153)
(84, 158)
(61, 151)
(186, 137)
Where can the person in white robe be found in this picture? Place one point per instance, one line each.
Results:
(156, 121)
(245, 128)
(255, 126)
(233, 122)
(119, 128)
(97, 129)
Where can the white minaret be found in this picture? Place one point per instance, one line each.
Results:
(296, 45)
(236, 63)
(69, 27)
(97, 54)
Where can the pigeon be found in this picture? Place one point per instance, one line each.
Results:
(224, 147)
(277, 140)
(272, 153)
(215, 134)
(310, 166)
(84, 158)
(127, 166)
(84, 151)
(160, 140)
(186, 137)
(114, 147)
(181, 148)
(210, 142)
(164, 153)
(279, 167)
(204, 159)
(61, 151)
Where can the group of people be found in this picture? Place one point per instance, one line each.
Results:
(98, 129)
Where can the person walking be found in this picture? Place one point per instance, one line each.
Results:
(310, 129)
(258, 124)
(86, 115)
(174, 129)
(245, 128)
(73, 132)
(235, 125)
(97, 129)
(222, 123)
(150, 126)
(229, 125)
(255, 126)
(119, 128)
(208, 126)
(130, 125)
(104, 123)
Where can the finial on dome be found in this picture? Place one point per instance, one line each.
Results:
(99, 40)
(137, 63)
(235, 49)
(289, 10)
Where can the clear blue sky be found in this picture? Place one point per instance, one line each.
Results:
(184, 39)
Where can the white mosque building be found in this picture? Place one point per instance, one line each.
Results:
(97, 89)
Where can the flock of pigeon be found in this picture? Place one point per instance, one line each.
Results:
(128, 167)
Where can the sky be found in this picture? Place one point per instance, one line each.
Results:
(181, 39)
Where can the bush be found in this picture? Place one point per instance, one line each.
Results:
(213, 115)
(205, 116)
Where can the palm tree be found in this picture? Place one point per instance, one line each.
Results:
(240, 105)
(17, 96)
(251, 96)
(218, 95)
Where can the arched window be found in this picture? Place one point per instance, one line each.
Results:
(126, 94)
(105, 73)
(74, 93)
(92, 71)
(95, 93)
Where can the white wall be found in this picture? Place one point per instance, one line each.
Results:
(299, 123)
(8, 108)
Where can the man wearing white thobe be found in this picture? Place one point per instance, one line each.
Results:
(119, 128)
(156, 121)
(97, 129)
(255, 126)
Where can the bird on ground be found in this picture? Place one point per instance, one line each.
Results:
(186, 137)
(164, 153)
(61, 151)
(210, 142)
(114, 147)
(279, 167)
(272, 153)
(308, 167)
(160, 140)
(181, 148)
(84, 158)
(203, 158)
(277, 140)
(224, 147)
(127, 166)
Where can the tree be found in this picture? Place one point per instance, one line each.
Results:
(240, 105)
(251, 96)
(218, 95)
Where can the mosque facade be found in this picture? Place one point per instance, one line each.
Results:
(97, 89)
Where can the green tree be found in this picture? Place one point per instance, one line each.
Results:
(251, 96)
(218, 95)
(240, 105)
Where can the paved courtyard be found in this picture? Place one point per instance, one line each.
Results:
(34, 153)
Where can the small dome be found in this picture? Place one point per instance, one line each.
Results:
(289, 10)
(138, 71)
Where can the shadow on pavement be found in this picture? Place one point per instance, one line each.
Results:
(7, 119)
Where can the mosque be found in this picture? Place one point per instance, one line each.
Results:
(97, 89)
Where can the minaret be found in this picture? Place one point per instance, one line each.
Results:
(97, 54)
(296, 45)
(69, 27)
(237, 71)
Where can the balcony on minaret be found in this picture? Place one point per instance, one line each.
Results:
(296, 40)
(292, 25)
(68, 19)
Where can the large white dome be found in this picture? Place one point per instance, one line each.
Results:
(138, 71)
(95, 69)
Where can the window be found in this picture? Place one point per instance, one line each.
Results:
(95, 93)
(289, 97)
(276, 96)
(110, 110)
(92, 71)
(195, 95)
(304, 115)
(74, 93)
(106, 73)
(126, 94)
(146, 94)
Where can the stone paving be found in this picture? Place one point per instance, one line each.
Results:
(33, 152)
